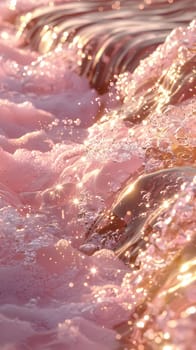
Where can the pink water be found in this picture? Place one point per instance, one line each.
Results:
(97, 176)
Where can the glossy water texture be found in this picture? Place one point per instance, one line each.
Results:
(97, 175)
(112, 36)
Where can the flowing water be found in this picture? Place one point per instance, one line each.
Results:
(97, 175)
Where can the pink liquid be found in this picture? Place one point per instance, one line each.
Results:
(97, 176)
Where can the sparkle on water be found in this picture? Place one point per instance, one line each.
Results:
(146, 223)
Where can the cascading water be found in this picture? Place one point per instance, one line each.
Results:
(97, 175)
